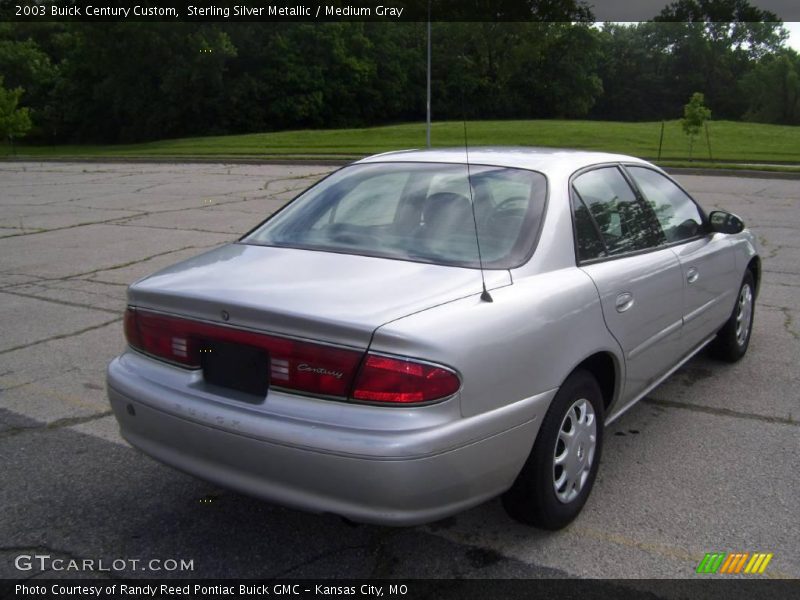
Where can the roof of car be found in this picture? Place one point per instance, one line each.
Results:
(537, 159)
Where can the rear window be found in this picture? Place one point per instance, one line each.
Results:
(416, 211)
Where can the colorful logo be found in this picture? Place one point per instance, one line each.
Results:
(733, 563)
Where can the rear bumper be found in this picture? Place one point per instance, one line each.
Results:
(419, 470)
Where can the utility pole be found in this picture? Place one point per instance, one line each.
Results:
(428, 128)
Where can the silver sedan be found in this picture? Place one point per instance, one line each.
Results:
(422, 331)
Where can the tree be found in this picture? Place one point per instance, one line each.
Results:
(773, 89)
(514, 70)
(15, 122)
(136, 81)
(695, 114)
(734, 24)
(631, 68)
(128, 82)
(712, 44)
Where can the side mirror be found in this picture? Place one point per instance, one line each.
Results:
(725, 222)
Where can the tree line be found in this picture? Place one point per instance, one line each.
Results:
(127, 82)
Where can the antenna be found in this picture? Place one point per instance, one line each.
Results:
(485, 296)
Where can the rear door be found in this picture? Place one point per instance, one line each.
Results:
(620, 246)
(708, 265)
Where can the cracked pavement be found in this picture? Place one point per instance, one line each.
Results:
(708, 462)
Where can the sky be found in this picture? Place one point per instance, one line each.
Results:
(794, 35)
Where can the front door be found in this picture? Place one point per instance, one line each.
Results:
(707, 264)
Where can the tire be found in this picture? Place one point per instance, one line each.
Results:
(733, 339)
(534, 499)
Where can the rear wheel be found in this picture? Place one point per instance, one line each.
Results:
(733, 339)
(558, 476)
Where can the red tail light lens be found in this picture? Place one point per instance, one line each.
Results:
(131, 329)
(295, 365)
(395, 380)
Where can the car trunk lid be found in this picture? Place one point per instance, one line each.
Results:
(323, 296)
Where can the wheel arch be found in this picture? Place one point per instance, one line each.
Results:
(754, 266)
(532, 499)
(604, 367)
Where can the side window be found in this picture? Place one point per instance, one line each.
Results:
(625, 223)
(588, 238)
(676, 212)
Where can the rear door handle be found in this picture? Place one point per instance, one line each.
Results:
(692, 274)
(624, 302)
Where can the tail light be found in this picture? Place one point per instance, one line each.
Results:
(396, 380)
(295, 365)
(305, 367)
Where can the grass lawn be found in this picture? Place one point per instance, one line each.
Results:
(730, 141)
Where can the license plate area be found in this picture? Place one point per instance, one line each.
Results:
(236, 367)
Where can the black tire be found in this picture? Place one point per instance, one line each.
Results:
(730, 345)
(533, 498)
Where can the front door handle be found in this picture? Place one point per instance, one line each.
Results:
(624, 302)
(692, 274)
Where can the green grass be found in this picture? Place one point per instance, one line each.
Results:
(730, 141)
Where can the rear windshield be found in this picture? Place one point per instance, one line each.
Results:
(416, 211)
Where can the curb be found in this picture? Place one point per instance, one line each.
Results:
(172, 160)
(749, 173)
(338, 162)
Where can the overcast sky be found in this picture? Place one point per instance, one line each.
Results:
(794, 35)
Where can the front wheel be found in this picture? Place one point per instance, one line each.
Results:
(558, 476)
(733, 339)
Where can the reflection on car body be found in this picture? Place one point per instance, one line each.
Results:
(342, 358)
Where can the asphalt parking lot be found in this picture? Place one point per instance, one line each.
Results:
(708, 462)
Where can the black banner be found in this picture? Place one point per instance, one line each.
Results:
(349, 10)
(394, 589)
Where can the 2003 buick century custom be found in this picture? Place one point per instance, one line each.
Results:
(422, 330)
